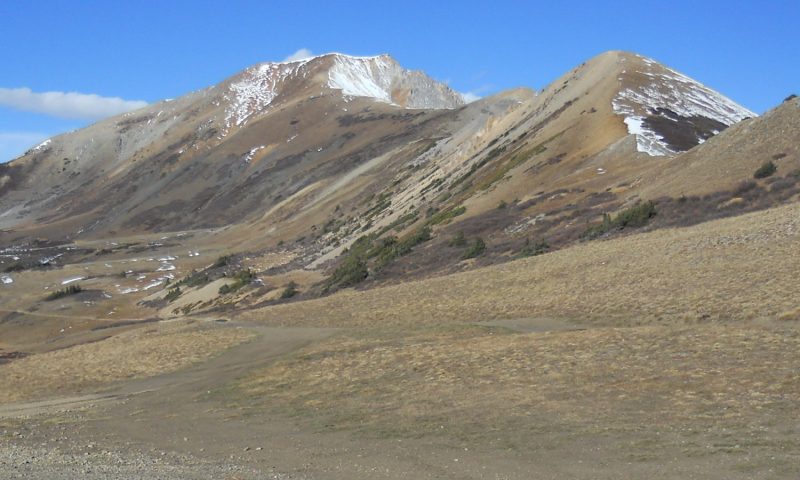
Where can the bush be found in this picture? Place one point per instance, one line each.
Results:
(767, 169)
(446, 216)
(223, 261)
(195, 279)
(354, 267)
(173, 294)
(241, 278)
(633, 217)
(636, 216)
(290, 290)
(351, 271)
(790, 97)
(532, 249)
(476, 249)
(65, 292)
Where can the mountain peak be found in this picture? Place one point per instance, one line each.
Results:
(666, 110)
(380, 78)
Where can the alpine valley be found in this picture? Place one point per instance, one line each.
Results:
(344, 262)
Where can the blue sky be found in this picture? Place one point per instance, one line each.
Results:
(128, 53)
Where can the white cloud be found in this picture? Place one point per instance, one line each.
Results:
(67, 104)
(301, 54)
(14, 144)
(470, 97)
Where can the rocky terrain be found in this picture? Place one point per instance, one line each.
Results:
(337, 268)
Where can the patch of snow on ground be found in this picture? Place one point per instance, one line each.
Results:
(165, 267)
(256, 90)
(42, 145)
(152, 284)
(6, 280)
(363, 77)
(674, 91)
(71, 280)
(252, 152)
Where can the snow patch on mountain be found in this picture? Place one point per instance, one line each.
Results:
(371, 77)
(256, 90)
(364, 77)
(665, 88)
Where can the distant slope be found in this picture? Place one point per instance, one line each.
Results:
(307, 157)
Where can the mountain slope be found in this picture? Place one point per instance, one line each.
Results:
(293, 164)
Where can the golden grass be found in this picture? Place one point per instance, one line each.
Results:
(139, 353)
(471, 382)
(741, 268)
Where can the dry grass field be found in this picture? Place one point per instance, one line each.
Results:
(486, 386)
(144, 352)
(676, 344)
(741, 268)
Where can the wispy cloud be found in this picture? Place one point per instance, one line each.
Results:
(14, 144)
(67, 104)
(301, 54)
(476, 93)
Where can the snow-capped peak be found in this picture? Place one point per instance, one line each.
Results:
(657, 94)
(364, 77)
(379, 77)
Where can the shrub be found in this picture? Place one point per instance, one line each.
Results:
(636, 216)
(65, 292)
(172, 294)
(475, 249)
(195, 279)
(633, 217)
(532, 249)
(290, 290)
(767, 169)
(351, 271)
(354, 267)
(446, 216)
(223, 261)
(241, 278)
(790, 97)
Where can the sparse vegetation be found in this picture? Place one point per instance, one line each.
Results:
(767, 169)
(223, 261)
(459, 240)
(475, 249)
(195, 279)
(633, 217)
(14, 267)
(446, 216)
(532, 249)
(172, 294)
(351, 271)
(241, 279)
(354, 268)
(65, 292)
(290, 290)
